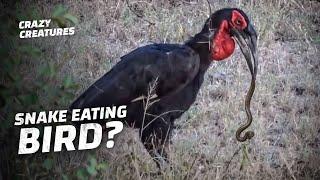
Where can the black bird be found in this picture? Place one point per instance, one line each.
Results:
(164, 79)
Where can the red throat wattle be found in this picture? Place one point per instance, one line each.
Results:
(223, 44)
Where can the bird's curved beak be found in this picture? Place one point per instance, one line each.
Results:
(247, 41)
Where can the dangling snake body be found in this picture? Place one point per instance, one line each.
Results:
(253, 70)
(249, 134)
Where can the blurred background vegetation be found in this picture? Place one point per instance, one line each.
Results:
(48, 73)
(30, 82)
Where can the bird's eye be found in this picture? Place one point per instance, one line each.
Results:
(238, 22)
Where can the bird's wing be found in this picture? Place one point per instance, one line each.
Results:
(165, 68)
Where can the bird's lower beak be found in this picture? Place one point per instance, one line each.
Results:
(247, 41)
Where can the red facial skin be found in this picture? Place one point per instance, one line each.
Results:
(223, 44)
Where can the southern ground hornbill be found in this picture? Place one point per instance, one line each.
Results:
(159, 82)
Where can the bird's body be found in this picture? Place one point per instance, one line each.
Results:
(177, 73)
(159, 82)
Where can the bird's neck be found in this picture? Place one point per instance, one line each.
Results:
(200, 43)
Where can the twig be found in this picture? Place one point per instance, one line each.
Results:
(288, 166)
(189, 169)
(229, 162)
(152, 88)
(115, 11)
(159, 116)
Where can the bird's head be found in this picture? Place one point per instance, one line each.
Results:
(226, 26)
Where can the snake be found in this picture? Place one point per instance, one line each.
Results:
(249, 134)
(253, 71)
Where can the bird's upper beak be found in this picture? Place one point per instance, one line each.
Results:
(247, 41)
